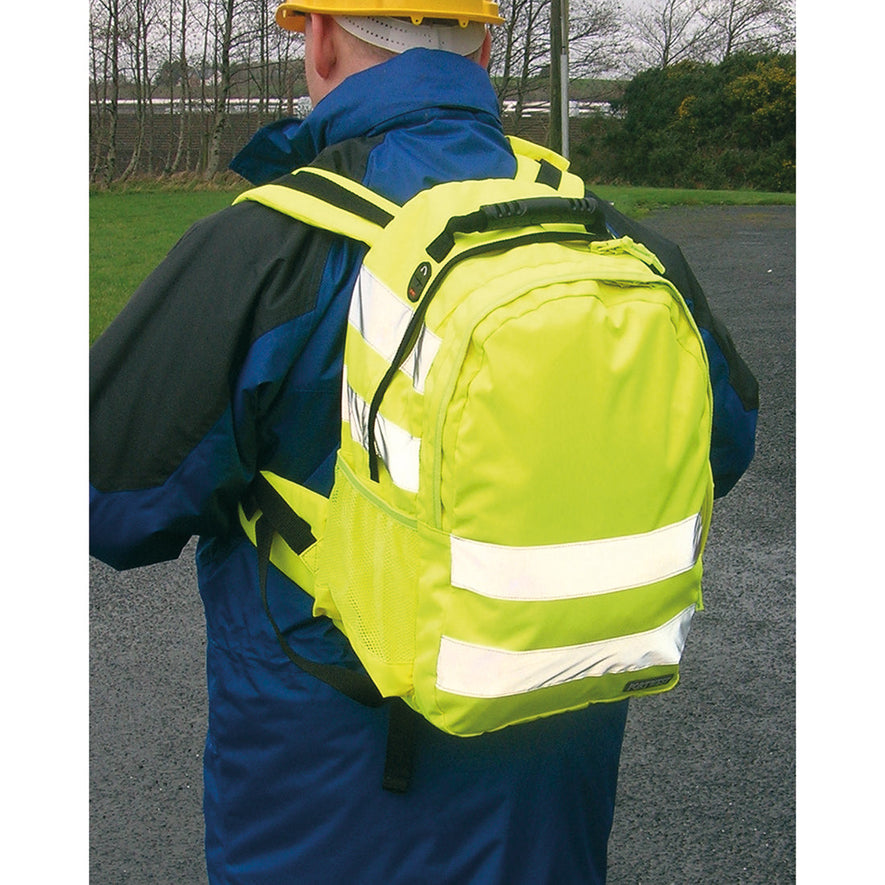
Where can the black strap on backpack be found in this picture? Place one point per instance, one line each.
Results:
(278, 517)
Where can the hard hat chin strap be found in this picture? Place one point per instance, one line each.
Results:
(397, 35)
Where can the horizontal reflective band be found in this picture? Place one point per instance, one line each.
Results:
(568, 571)
(478, 671)
(397, 448)
(382, 320)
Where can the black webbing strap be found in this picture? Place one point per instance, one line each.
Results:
(548, 174)
(357, 686)
(328, 191)
(400, 747)
(294, 530)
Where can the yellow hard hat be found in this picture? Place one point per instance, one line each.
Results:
(291, 14)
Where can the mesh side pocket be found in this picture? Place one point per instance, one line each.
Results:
(369, 562)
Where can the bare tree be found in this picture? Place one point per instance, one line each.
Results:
(521, 49)
(262, 23)
(100, 58)
(105, 49)
(669, 31)
(286, 73)
(222, 83)
(176, 72)
(520, 53)
(596, 38)
(140, 32)
(752, 25)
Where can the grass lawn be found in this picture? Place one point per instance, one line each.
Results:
(639, 201)
(131, 230)
(129, 234)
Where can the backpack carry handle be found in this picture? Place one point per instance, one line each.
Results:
(520, 213)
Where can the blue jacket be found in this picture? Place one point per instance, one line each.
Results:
(228, 360)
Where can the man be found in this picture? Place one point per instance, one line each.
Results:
(228, 360)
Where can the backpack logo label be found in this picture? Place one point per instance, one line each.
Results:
(642, 684)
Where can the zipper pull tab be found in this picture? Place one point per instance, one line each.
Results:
(631, 247)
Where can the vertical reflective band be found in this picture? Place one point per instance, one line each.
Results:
(478, 671)
(397, 448)
(568, 571)
(382, 319)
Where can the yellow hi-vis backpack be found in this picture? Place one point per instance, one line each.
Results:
(523, 488)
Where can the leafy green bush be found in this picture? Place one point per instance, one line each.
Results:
(730, 125)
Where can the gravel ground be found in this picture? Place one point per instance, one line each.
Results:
(707, 790)
(707, 785)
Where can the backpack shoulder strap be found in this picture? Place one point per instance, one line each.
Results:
(277, 530)
(333, 202)
(327, 200)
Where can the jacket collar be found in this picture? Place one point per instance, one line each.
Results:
(412, 87)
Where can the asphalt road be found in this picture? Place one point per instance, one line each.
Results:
(707, 784)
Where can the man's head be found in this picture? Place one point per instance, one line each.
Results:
(343, 37)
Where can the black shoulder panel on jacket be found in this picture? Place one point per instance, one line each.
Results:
(162, 373)
(350, 158)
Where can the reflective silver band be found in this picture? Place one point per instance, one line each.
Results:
(382, 320)
(397, 448)
(568, 571)
(481, 672)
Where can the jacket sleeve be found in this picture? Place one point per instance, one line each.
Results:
(735, 390)
(178, 379)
